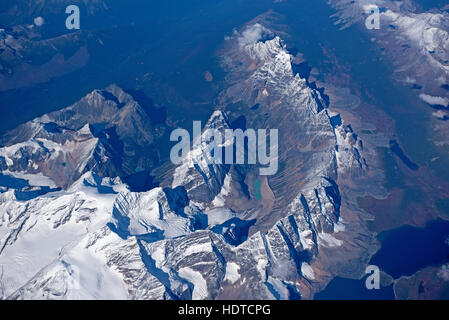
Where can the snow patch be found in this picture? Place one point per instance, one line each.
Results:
(327, 240)
(200, 291)
(442, 101)
(39, 21)
(444, 272)
(307, 271)
(232, 272)
(252, 34)
(219, 199)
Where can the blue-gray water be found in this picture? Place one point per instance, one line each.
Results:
(349, 289)
(407, 249)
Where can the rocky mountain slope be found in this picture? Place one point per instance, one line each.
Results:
(106, 132)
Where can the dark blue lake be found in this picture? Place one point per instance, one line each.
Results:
(404, 251)
(350, 289)
(408, 249)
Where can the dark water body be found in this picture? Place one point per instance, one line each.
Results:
(408, 249)
(396, 149)
(350, 289)
(12, 182)
(141, 181)
(235, 231)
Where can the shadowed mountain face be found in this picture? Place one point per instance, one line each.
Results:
(106, 132)
(318, 148)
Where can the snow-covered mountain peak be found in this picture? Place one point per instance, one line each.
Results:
(201, 177)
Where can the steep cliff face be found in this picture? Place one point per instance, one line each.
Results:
(261, 73)
(319, 154)
(199, 174)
